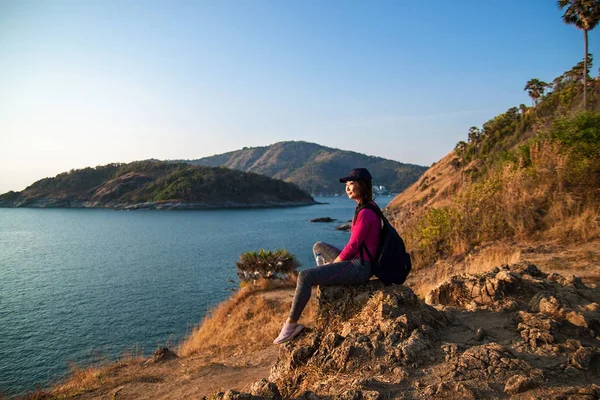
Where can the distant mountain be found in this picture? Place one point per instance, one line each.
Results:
(156, 184)
(313, 167)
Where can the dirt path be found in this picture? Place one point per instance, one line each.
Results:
(187, 378)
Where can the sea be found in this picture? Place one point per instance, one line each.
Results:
(85, 286)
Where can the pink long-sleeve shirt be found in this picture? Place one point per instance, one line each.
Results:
(365, 228)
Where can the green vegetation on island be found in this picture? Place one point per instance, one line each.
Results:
(155, 184)
(313, 167)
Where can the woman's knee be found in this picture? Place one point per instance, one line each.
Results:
(304, 278)
(318, 247)
(302, 275)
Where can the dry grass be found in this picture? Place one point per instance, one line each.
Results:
(481, 260)
(536, 202)
(245, 323)
(85, 379)
(582, 259)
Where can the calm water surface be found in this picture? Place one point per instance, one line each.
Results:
(82, 285)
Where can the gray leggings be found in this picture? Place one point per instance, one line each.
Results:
(342, 273)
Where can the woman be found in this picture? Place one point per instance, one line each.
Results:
(343, 267)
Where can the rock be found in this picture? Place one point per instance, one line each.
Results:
(464, 392)
(517, 384)
(322, 219)
(489, 362)
(371, 395)
(451, 350)
(265, 389)
(308, 395)
(234, 395)
(480, 334)
(430, 390)
(344, 227)
(301, 354)
(491, 290)
(376, 326)
(413, 348)
(352, 394)
(582, 358)
(371, 337)
(163, 354)
(537, 331)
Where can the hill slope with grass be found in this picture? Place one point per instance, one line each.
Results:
(313, 167)
(154, 184)
(529, 175)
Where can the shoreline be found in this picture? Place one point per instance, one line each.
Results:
(167, 205)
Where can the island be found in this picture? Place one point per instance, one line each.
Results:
(157, 185)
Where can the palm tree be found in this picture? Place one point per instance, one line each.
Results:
(535, 88)
(585, 15)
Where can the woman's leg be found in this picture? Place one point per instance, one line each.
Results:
(328, 251)
(342, 273)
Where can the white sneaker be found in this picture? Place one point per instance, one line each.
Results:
(288, 332)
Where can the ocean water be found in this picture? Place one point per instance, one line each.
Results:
(81, 286)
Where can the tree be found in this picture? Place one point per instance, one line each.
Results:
(535, 88)
(279, 264)
(522, 109)
(585, 15)
(578, 72)
(460, 149)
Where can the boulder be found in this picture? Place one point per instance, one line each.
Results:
(265, 389)
(322, 219)
(344, 227)
(163, 354)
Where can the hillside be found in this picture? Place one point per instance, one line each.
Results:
(313, 167)
(528, 176)
(151, 185)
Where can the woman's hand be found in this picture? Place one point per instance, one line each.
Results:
(337, 260)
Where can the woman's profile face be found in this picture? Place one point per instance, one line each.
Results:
(353, 190)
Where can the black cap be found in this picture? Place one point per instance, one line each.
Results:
(357, 174)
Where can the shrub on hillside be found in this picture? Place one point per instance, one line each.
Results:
(263, 264)
(579, 136)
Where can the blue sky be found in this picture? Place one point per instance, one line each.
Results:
(85, 83)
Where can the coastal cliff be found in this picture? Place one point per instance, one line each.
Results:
(513, 331)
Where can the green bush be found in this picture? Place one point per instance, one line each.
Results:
(434, 229)
(580, 137)
(580, 133)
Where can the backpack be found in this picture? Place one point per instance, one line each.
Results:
(392, 263)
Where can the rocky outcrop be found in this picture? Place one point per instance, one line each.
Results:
(346, 226)
(322, 219)
(513, 331)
